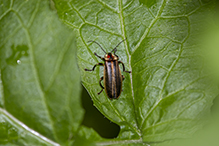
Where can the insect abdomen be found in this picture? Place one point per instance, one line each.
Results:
(112, 79)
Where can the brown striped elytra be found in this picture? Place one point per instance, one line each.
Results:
(112, 76)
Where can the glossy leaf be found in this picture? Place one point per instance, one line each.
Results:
(40, 82)
(167, 92)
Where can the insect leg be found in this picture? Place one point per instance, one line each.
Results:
(124, 67)
(123, 77)
(93, 67)
(99, 56)
(101, 85)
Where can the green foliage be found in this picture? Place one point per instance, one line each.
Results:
(40, 83)
(166, 96)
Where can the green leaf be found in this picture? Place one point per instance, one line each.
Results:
(13, 132)
(167, 91)
(211, 47)
(40, 82)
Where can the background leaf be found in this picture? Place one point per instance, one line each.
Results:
(210, 46)
(40, 83)
(168, 91)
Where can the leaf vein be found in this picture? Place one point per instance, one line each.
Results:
(190, 104)
(153, 55)
(164, 122)
(36, 74)
(107, 6)
(58, 64)
(133, 11)
(19, 123)
(33, 14)
(127, 50)
(149, 27)
(164, 83)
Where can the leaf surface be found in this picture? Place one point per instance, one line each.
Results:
(40, 82)
(167, 91)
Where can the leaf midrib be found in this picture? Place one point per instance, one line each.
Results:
(22, 125)
(36, 75)
(138, 131)
(129, 58)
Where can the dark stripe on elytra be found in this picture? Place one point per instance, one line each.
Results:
(113, 79)
(118, 79)
(108, 79)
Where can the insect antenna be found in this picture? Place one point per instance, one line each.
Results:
(118, 45)
(98, 45)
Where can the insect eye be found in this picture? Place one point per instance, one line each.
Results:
(108, 56)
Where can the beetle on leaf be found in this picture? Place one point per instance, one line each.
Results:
(112, 75)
